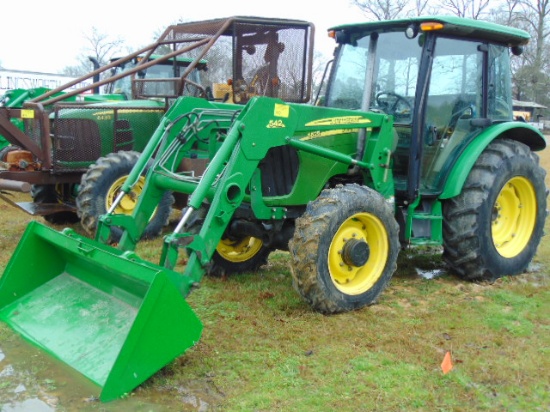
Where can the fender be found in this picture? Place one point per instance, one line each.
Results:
(519, 131)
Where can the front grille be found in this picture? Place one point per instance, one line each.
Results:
(75, 140)
(81, 133)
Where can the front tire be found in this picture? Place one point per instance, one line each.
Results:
(344, 250)
(232, 255)
(246, 254)
(493, 228)
(99, 187)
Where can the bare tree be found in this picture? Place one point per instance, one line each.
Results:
(533, 74)
(473, 9)
(507, 13)
(382, 9)
(318, 71)
(510, 13)
(101, 47)
(390, 9)
(535, 16)
(422, 7)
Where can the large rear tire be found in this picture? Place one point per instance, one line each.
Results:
(99, 187)
(344, 249)
(493, 228)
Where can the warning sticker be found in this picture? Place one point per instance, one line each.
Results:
(281, 110)
(27, 114)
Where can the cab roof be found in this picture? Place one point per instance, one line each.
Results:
(452, 25)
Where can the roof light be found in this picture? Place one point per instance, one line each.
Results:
(411, 31)
(341, 36)
(431, 26)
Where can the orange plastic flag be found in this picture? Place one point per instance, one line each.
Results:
(447, 363)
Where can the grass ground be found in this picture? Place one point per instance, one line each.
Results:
(263, 349)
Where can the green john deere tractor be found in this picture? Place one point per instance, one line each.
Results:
(413, 143)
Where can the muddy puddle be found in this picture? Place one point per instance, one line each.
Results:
(32, 381)
(430, 273)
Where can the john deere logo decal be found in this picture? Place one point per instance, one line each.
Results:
(333, 121)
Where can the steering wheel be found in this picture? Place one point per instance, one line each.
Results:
(397, 99)
(194, 89)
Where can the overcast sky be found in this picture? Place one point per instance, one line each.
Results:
(48, 35)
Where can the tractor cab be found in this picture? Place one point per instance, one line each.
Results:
(169, 69)
(443, 80)
(247, 57)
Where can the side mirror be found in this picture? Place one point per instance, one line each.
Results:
(517, 50)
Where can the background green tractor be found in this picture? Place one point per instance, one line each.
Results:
(76, 154)
(52, 159)
(414, 144)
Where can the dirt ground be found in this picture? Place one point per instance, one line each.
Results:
(32, 381)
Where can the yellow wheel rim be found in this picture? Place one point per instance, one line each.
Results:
(128, 202)
(350, 279)
(239, 250)
(514, 217)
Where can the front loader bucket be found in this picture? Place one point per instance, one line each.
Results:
(113, 317)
